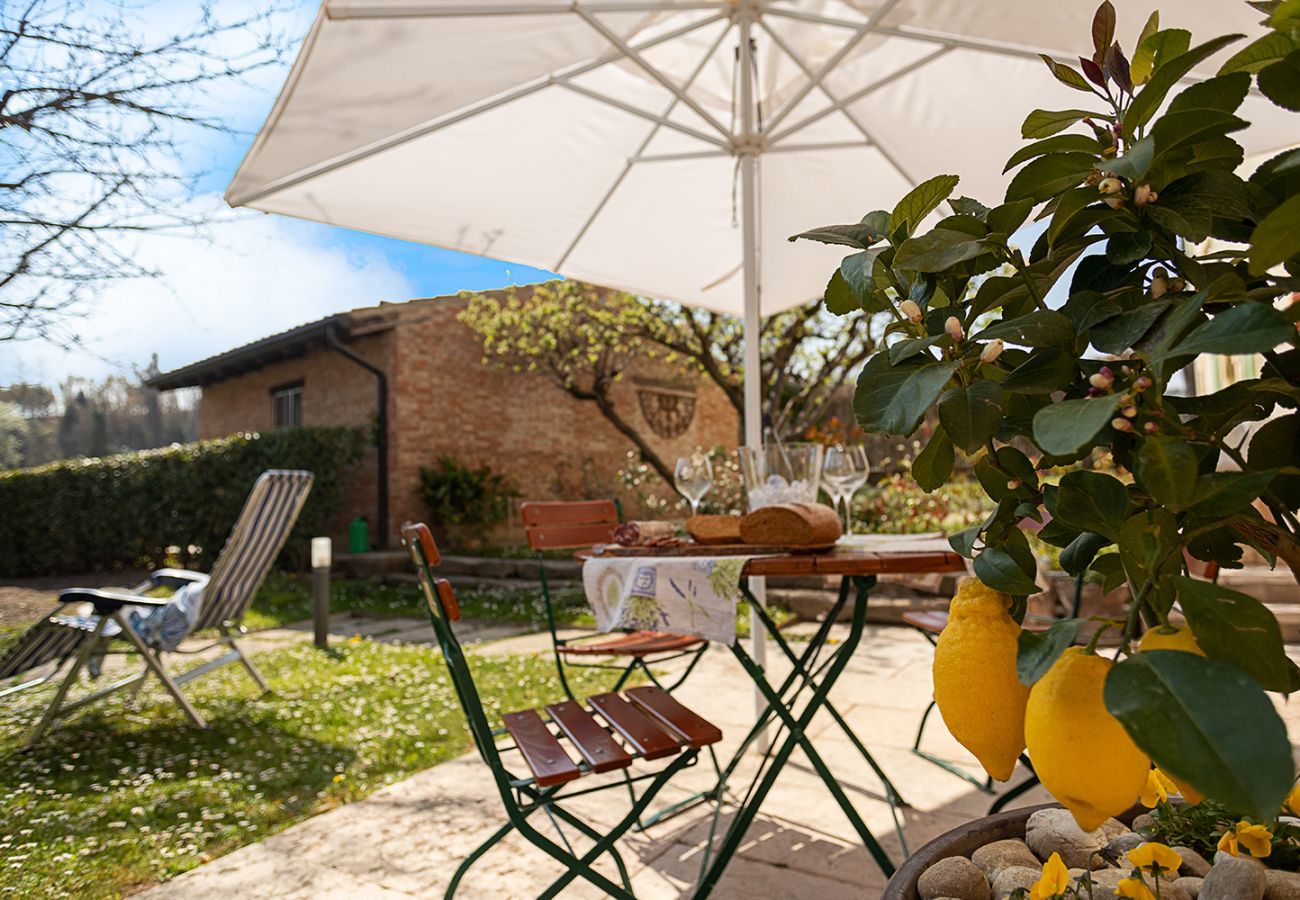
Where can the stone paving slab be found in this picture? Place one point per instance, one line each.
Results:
(407, 839)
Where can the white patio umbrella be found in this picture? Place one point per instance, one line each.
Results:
(668, 147)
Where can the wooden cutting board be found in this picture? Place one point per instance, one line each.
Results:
(710, 550)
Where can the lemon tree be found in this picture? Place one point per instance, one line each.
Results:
(1034, 357)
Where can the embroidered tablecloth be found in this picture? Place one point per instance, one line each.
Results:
(694, 595)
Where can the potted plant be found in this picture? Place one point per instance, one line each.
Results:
(1037, 360)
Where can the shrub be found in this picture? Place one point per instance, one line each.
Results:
(128, 509)
(459, 495)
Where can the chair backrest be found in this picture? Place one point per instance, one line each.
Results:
(561, 524)
(443, 610)
(263, 526)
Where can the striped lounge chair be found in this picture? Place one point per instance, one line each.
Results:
(263, 525)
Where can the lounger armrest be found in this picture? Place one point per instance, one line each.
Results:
(175, 578)
(109, 601)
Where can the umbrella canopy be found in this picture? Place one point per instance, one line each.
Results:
(601, 138)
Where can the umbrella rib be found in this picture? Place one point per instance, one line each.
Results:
(870, 25)
(632, 54)
(473, 9)
(640, 113)
(444, 121)
(627, 167)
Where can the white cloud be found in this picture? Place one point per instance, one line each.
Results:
(256, 276)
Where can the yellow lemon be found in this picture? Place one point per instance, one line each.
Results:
(981, 699)
(1082, 754)
(1169, 638)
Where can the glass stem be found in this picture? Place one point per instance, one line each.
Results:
(848, 523)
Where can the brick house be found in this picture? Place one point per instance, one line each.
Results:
(442, 399)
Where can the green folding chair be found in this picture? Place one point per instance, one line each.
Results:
(610, 732)
(572, 525)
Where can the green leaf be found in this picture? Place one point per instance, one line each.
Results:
(1259, 53)
(1068, 206)
(1144, 54)
(964, 541)
(1092, 501)
(1045, 371)
(1062, 429)
(1136, 160)
(1007, 217)
(1041, 328)
(1227, 493)
(1045, 122)
(858, 235)
(1103, 30)
(1121, 332)
(1206, 723)
(1130, 247)
(1244, 328)
(1066, 75)
(933, 465)
(971, 415)
(1277, 238)
(1081, 551)
(909, 347)
(1237, 629)
(1037, 652)
(1155, 50)
(840, 298)
(1062, 143)
(1049, 175)
(997, 569)
(893, 399)
(920, 201)
(967, 206)
(1166, 75)
(937, 251)
(1280, 82)
(1166, 468)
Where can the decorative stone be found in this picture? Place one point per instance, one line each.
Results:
(1014, 878)
(993, 858)
(1190, 885)
(1106, 881)
(1279, 885)
(1234, 878)
(1122, 844)
(955, 877)
(1193, 862)
(1144, 823)
(1051, 831)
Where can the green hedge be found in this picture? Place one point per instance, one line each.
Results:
(126, 510)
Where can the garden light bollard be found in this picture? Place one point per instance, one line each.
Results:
(321, 558)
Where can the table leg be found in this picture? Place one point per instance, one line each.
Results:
(796, 737)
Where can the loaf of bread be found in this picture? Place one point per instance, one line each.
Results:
(714, 529)
(791, 524)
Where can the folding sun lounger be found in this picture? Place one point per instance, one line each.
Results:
(263, 525)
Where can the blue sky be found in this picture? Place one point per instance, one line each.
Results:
(251, 274)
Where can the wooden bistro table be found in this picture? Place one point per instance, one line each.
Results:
(795, 701)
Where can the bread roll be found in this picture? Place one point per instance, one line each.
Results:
(791, 524)
(714, 529)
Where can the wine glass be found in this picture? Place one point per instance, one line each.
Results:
(693, 477)
(844, 471)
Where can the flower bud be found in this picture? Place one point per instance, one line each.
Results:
(1142, 383)
(952, 325)
(1150, 427)
(1130, 411)
(911, 310)
(1110, 185)
(1177, 285)
(1144, 195)
(1159, 287)
(992, 350)
(1013, 483)
(1101, 380)
(1114, 202)
(1095, 392)
(1121, 424)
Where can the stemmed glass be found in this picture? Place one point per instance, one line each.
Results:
(844, 471)
(693, 477)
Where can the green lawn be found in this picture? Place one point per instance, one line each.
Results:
(124, 796)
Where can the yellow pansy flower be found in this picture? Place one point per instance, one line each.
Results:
(1056, 878)
(1134, 888)
(1257, 839)
(1159, 786)
(1151, 855)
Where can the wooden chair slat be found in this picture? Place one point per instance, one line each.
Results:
(666, 712)
(565, 512)
(637, 643)
(541, 751)
(593, 742)
(544, 537)
(647, 738)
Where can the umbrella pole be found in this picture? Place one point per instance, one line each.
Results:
(747, 150)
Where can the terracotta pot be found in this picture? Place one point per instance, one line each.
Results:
(965, 840)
